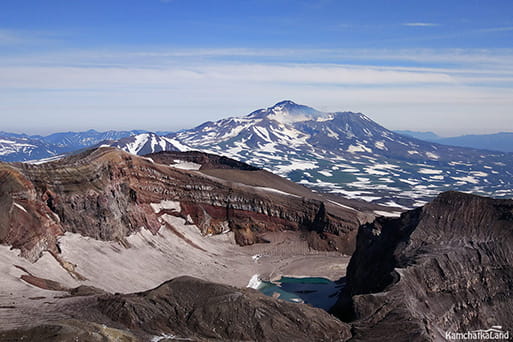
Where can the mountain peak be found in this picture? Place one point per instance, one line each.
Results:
(293, 108)
(288, 111)
(285, 103)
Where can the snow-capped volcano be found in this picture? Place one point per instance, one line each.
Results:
(348, 153)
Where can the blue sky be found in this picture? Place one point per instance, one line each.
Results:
(445, 66)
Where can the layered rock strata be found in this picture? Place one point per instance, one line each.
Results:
(108, 194)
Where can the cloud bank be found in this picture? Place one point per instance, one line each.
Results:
(448, 91)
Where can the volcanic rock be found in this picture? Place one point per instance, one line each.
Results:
(445, 267)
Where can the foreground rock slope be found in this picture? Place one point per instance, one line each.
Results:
(442, 268)
(190, 307)
(185, 308)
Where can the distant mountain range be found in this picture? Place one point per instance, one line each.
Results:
(502, 141)
(341, 152)
(15, 147)
(23, 147)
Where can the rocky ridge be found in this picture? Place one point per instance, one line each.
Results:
(107, 194)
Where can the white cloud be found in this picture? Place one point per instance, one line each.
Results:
(176, 89)
(477, 59)
(108, 77)
(420, 24)
(497, 29)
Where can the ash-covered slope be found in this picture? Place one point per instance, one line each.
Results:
(443, 268)
(185, 309)
(193, 308)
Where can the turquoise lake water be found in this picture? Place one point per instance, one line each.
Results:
(318, 292)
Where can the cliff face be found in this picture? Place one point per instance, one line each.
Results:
(26, 222)
(107, 194)
(442, 268)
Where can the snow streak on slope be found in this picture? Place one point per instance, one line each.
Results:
(146, 143)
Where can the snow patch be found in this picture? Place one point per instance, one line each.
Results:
(255, 282)
(409, 181)
(19, 206)
(177, 144)
(394, 204)
(44, 160)
(342, 205)
(358, 148)
(478, 174)
(328, 117)
(169, 337)
(371, 171)
(170, 205)
(296, 165)
(332, 134)
(430, 171)
(185, 165)
(387, 213)
(325, 173)
(380, 145)
(138, 144)
(432, 156)
(275, 191)
(467, 179)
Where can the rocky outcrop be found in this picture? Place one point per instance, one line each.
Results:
(188, 307)
(442, 268)
(26, 222)
(108, 194)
